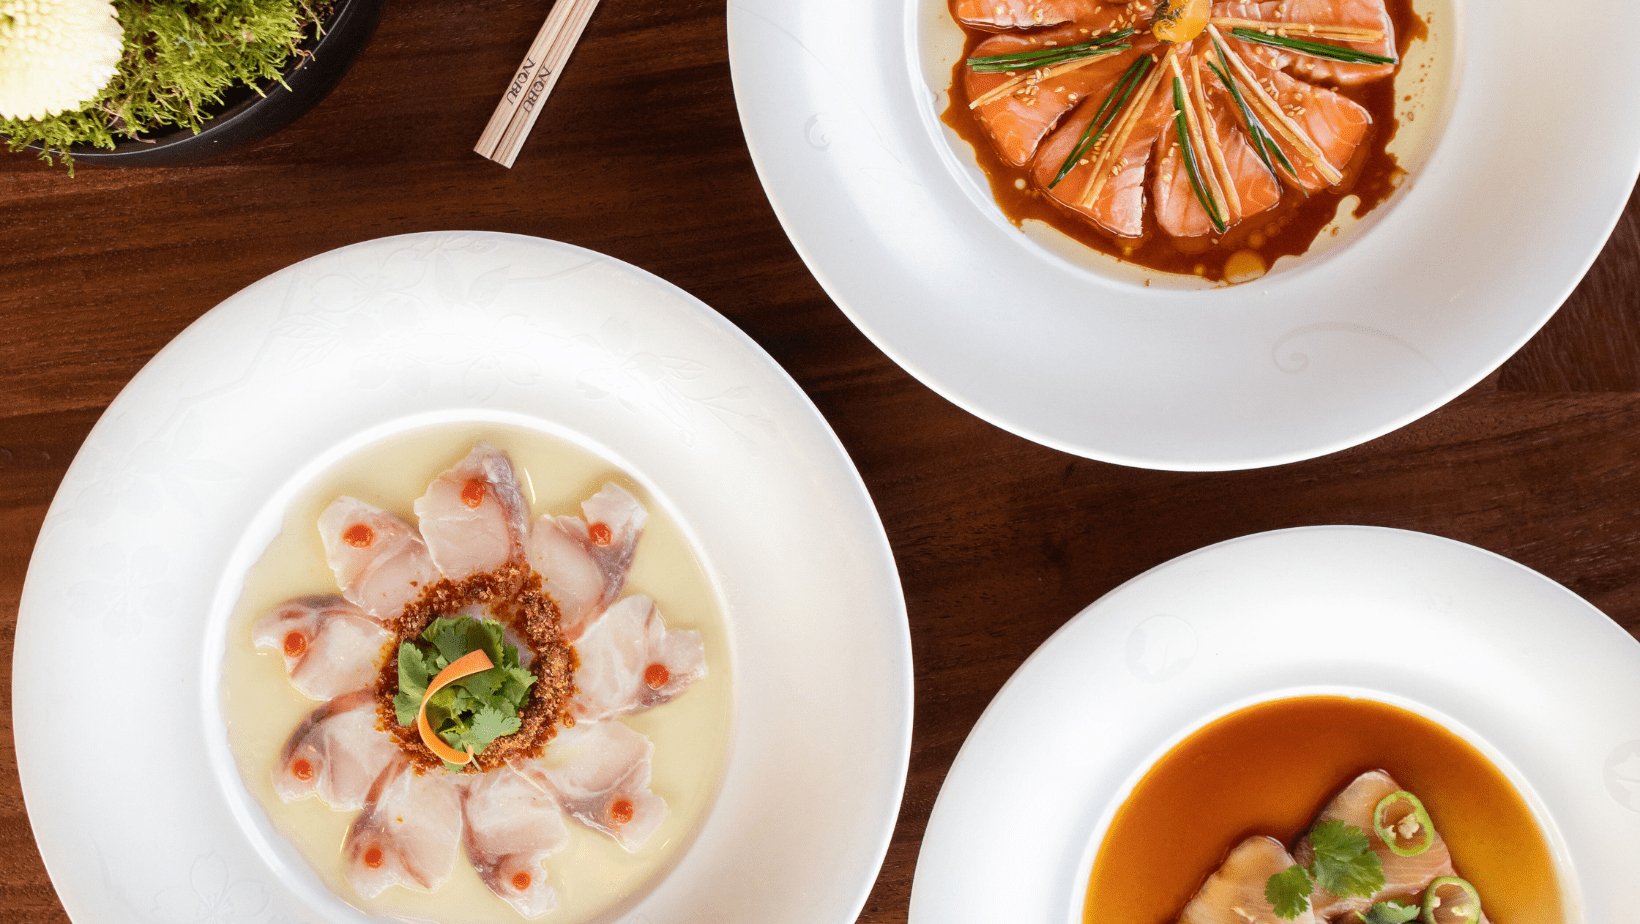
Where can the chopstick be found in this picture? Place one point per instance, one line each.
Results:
(515, 115)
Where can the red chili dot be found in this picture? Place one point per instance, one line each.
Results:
(472, 493)
(302, 770)
(656, 676)
(600, 534)
(521, 881)
(359, 536)
(373, 857)
(295, 644)
(620, 811)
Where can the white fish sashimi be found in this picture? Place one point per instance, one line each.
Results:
(1234, 894)
(583, 563)
(630, 661)
(600, 772)
(336, 753)
(473, 516)
(409, 832)
(330, 646)
(379, 561)
(513, 824)
(1404, 877)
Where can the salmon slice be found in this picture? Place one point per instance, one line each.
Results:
(1319, 20)
(336, 753)
(409, 832)
(630, 661)
(1334, 123)
(330, 646)
(1255, 189)
(997, 15)
(512, 825)
(473, 516)
(1119, 205)
(1020, 118)
(1234, 894)
(379, 561)
(1405, 878)
(600, 771)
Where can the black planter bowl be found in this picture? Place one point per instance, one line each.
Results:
(248, 116)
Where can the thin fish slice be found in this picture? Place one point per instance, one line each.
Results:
(473, 516)
(336, 753)
(1022, 14)
(1020, 118)
(379, 560)
(513, 823)
(630, 661)
(583, 562)
(1336, 124)
(600, 771)
(1178, 211)
(409, 832)
(330, 646)
(1234, 894)
(1309, 20)
(1119, 206)
(1404, 877)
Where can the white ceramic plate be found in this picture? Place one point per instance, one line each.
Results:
(1550, 690)
(1515, 186)
(129, 785)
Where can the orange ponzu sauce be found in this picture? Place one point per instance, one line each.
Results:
(295, 644)
(600, 534)
(521, 881)
(620, 811)
(472, 493)
(302, 770)
(1269, 769)
(373, 857)
(359, 536)
(1289, 229)
(656, 676)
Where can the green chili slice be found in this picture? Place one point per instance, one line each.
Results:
(1451, 900)
(1403, 825)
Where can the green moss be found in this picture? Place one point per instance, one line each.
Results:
(181, 60)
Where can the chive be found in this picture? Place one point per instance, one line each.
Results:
(1047, 57)
(1114, 103)
(1182, 125)
(1314, 49)
(1263, 144)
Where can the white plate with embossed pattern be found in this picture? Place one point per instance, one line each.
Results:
(1547, 686)
(130, 789)
(840, 103)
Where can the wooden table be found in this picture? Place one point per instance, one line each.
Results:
(640, 155)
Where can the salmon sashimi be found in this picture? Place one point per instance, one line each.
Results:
(1241, 183)
(630, 661)
(1364, 25)
(330, 646)
(583, 562)
(409, 832)
(337, 753)
(379, 561)
(1107, 183)
(1319, 130)
(474, 517)
(1234, 894)
(1405, 878)
(1018, 110)
(512, 825)
(1024, 14)
(600, 771)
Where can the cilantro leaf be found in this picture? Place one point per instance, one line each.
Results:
(477, 709)
(1344, 863)
(1288, 892)
(1388, 913)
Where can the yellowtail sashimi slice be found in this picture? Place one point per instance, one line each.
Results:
(1404, 877)
(337, 753)
(600, 771)
(473, 516)
(330, 646)
(583, 562)
(1234, 894)
(379, 561)
(513, 824)
(630, 661)
(409, 832)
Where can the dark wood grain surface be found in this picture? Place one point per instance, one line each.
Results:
(640, 155)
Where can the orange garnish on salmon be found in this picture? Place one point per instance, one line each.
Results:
(471, 663)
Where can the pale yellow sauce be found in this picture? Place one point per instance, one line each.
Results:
(593, 875)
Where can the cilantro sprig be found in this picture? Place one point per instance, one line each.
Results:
(1342, 863)
(472, 711)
